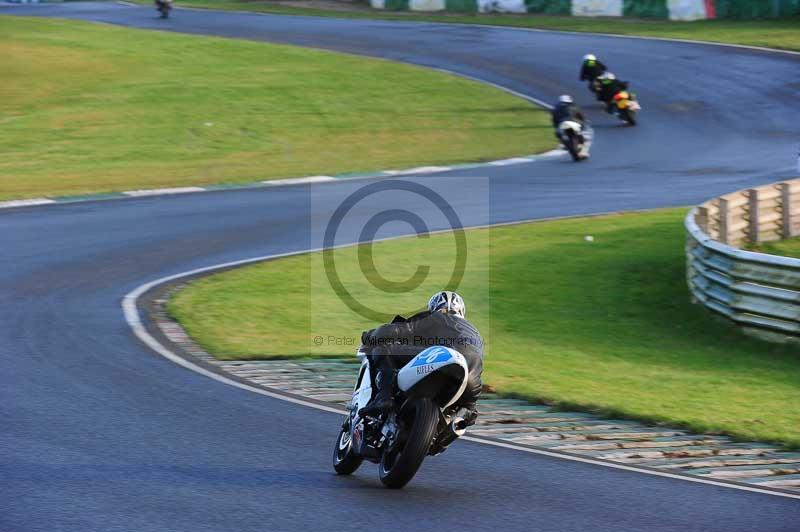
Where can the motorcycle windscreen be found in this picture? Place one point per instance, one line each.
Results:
(438, 372)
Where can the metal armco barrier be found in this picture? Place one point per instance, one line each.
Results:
(757, 291)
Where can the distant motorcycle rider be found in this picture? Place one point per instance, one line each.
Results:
(566, 109)
(163, 7)
(393, 345)
(591, 69)
(609, 87)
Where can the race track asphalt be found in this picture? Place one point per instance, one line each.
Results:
(97, 433)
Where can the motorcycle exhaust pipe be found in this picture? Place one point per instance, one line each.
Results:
(458, 426)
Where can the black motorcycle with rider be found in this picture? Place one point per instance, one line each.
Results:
(591, 69)
(163, 7)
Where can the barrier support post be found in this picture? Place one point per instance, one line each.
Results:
(752, 211)
(724, 221)
(786, 210)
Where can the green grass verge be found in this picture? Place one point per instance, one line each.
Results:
(787, 248)
(88, 108)
(603, 325)
(772, 33)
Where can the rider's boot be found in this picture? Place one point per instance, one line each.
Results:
(382, 401)
(469, 413)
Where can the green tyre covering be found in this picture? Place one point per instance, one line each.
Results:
(396, 5)
(645, 9)
(462, 6)
(550, 7)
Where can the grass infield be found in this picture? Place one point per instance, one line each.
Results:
(604, 325)
(86, 108)
(787, 248)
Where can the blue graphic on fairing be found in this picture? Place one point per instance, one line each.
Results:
(432, 355)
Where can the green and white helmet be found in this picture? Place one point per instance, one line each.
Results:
(449, 302)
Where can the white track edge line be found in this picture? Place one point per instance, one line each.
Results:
(131, 313)
(299, 180)
(29, 202)
(624, 467)
(139, 193)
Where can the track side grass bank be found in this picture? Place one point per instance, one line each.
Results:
(771, 33)
(604, 325)
(86, 108)
(786, 248)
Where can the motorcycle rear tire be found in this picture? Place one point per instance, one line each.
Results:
(400, 463)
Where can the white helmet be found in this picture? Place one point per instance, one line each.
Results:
(565, 98)
(589, 57)
(449, 302)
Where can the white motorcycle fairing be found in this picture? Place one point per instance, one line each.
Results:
(430, 363)
(362, 392)
(567, 125)
(586, 133)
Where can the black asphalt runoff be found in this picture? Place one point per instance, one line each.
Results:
(98, 433)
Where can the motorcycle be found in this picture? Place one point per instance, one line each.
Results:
(625, 107)
(164, 7)
(576, 138)
(424, 420)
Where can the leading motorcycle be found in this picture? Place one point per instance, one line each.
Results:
(164, 7)
(424, 420)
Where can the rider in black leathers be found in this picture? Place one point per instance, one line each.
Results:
(393, 345)
(566, 109)
(591, 69)
(166, 5)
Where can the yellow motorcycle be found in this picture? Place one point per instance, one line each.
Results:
(625, 107)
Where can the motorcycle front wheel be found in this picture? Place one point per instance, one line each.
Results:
(345, 461)
(402, 460)
(573, 147)
(629, 116)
